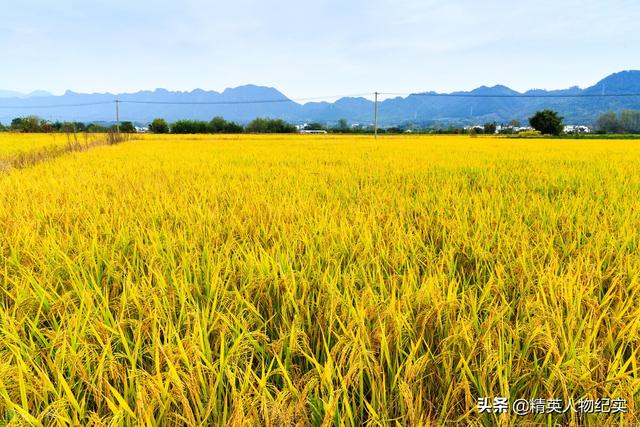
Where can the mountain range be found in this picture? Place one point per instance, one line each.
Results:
(14, 94)
(244, 103)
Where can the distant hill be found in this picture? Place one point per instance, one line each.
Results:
(14, 94)
(10, 94)
(484, 104)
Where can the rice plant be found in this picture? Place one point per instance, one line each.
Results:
(319, 280)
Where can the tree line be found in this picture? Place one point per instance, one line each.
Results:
(33, 124)
(546, 122)
(220, 125)
(162, 126)
(627, 121)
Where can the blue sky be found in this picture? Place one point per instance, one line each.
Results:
(314, 48)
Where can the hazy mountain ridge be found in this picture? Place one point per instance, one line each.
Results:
(14, 94)
(419, 108)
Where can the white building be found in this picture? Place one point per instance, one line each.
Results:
(523, 129)
(577, 129)
(322, 131)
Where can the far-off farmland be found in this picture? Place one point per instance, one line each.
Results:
(320, 280)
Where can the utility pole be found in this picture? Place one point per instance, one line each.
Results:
(375, 116)
(117, 115)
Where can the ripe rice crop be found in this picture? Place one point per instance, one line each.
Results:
(16, 143)
(319, 280)
(25, 149)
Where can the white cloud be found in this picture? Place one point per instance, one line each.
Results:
(310, 48)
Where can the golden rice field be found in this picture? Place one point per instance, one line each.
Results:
(12, 144)
(19, 150)
(319, 280)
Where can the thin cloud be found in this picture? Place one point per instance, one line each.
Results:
(310, 48)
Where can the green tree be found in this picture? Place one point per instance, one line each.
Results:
(608, 123)
(217, 125)
(70, 127)
(233, 127)
(547, 122)
(220, 125)
(46, 126)
(490, 128)
(190, 127)
(66, 127)
(314, 126)
(630, 121)
(127, 127)
(96, 128)
(159, 126)
(27, 124)
(263, 125)
(342, 127)
(16, 124)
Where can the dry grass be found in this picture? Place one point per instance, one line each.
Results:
(319, 280)
(19, 151)
(12, 144)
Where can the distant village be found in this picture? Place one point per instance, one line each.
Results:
(569, 129)
(499, 129)
(315, 128)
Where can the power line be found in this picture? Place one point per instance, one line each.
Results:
(375, 115)
(319, 98)
(85, 104)
(523, 95)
